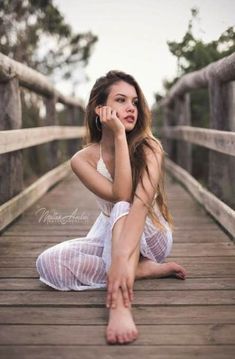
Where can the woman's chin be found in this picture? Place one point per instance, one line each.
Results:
(129, 127)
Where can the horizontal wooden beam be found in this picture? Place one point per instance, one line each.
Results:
(18, 204)
(218, 209)
(33, 80)
(222, 70)
(221, 141)
(13, 140)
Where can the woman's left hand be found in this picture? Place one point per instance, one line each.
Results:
(120, 276)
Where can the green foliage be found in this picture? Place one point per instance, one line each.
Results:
(193, 54)
(34, 32)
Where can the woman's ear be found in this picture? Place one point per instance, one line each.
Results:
(97, 110)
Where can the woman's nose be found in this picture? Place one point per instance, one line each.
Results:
(130, 107)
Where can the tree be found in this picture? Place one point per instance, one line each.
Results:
(193, 54)
(34, 32)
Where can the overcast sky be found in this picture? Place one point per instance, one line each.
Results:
(133, 35)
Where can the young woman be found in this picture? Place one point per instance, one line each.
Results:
(122, 165)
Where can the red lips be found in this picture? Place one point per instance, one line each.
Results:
(129, 118)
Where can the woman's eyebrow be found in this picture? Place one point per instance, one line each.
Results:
(124, 95)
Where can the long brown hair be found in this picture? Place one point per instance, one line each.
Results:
(138, 139)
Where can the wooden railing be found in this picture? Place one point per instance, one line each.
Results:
(220, 138)
(14, 198)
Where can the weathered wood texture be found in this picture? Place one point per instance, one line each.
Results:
(219, 210)
(175, 318)
(11, 164)
(222, 70)
(32, 80)
(183, 149)
(18, 204)
(18, 139)
(13, 199)
(220, 141)
(219, 78)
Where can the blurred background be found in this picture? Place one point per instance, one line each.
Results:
(73, 42)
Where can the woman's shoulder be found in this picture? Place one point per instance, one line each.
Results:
(89, 154)
(152, 144)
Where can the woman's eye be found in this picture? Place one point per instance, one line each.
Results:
(135, 103)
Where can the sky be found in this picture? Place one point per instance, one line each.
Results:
(133, 36)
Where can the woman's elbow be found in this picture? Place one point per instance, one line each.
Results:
(122, 197)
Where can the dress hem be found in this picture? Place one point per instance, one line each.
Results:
(79, 288)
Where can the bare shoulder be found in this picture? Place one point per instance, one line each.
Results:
(154, 147)
(89, 154)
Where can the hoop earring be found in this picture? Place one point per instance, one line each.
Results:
(96, 122)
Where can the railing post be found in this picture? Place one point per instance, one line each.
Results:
(73, 119)
(11, 164)
(184, 149)
(168, 121)
(221, 167)
(51, 120)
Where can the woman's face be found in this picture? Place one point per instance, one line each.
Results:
(123, 98)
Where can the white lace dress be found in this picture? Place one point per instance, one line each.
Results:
(82, 263)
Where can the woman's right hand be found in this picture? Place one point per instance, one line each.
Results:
(109, 117)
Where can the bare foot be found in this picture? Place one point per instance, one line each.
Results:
(121, 328)
(147, 268)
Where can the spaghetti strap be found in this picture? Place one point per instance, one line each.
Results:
(101, 152)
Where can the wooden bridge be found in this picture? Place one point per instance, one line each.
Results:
(176, 319)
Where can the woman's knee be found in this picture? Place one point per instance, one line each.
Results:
(119, 210)
(159, 246)
(121, 204)
(43, 263)
(49, 268)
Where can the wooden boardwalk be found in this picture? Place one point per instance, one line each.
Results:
(176, 319)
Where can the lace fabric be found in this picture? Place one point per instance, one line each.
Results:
(82, 263)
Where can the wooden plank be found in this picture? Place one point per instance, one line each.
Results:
(82, 224)
(117, 351)
(97, 298)
(220, 141)
(168, 283)
(98, 316)
(222, 213)
(204, 249)
(206, 298)
(179, 236)
(11, 165)
(193, 271)
(13, 140)
(202, 334)
(202, 271)
(21, 261)
(179, 249)
(27, 268)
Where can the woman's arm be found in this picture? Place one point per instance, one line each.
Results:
(119, 274)
(135, 221)
(122, 184)
(121, 187)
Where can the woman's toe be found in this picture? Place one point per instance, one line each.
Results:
(134, 334)
(111, 338)
(120, 339)
(126, 338)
